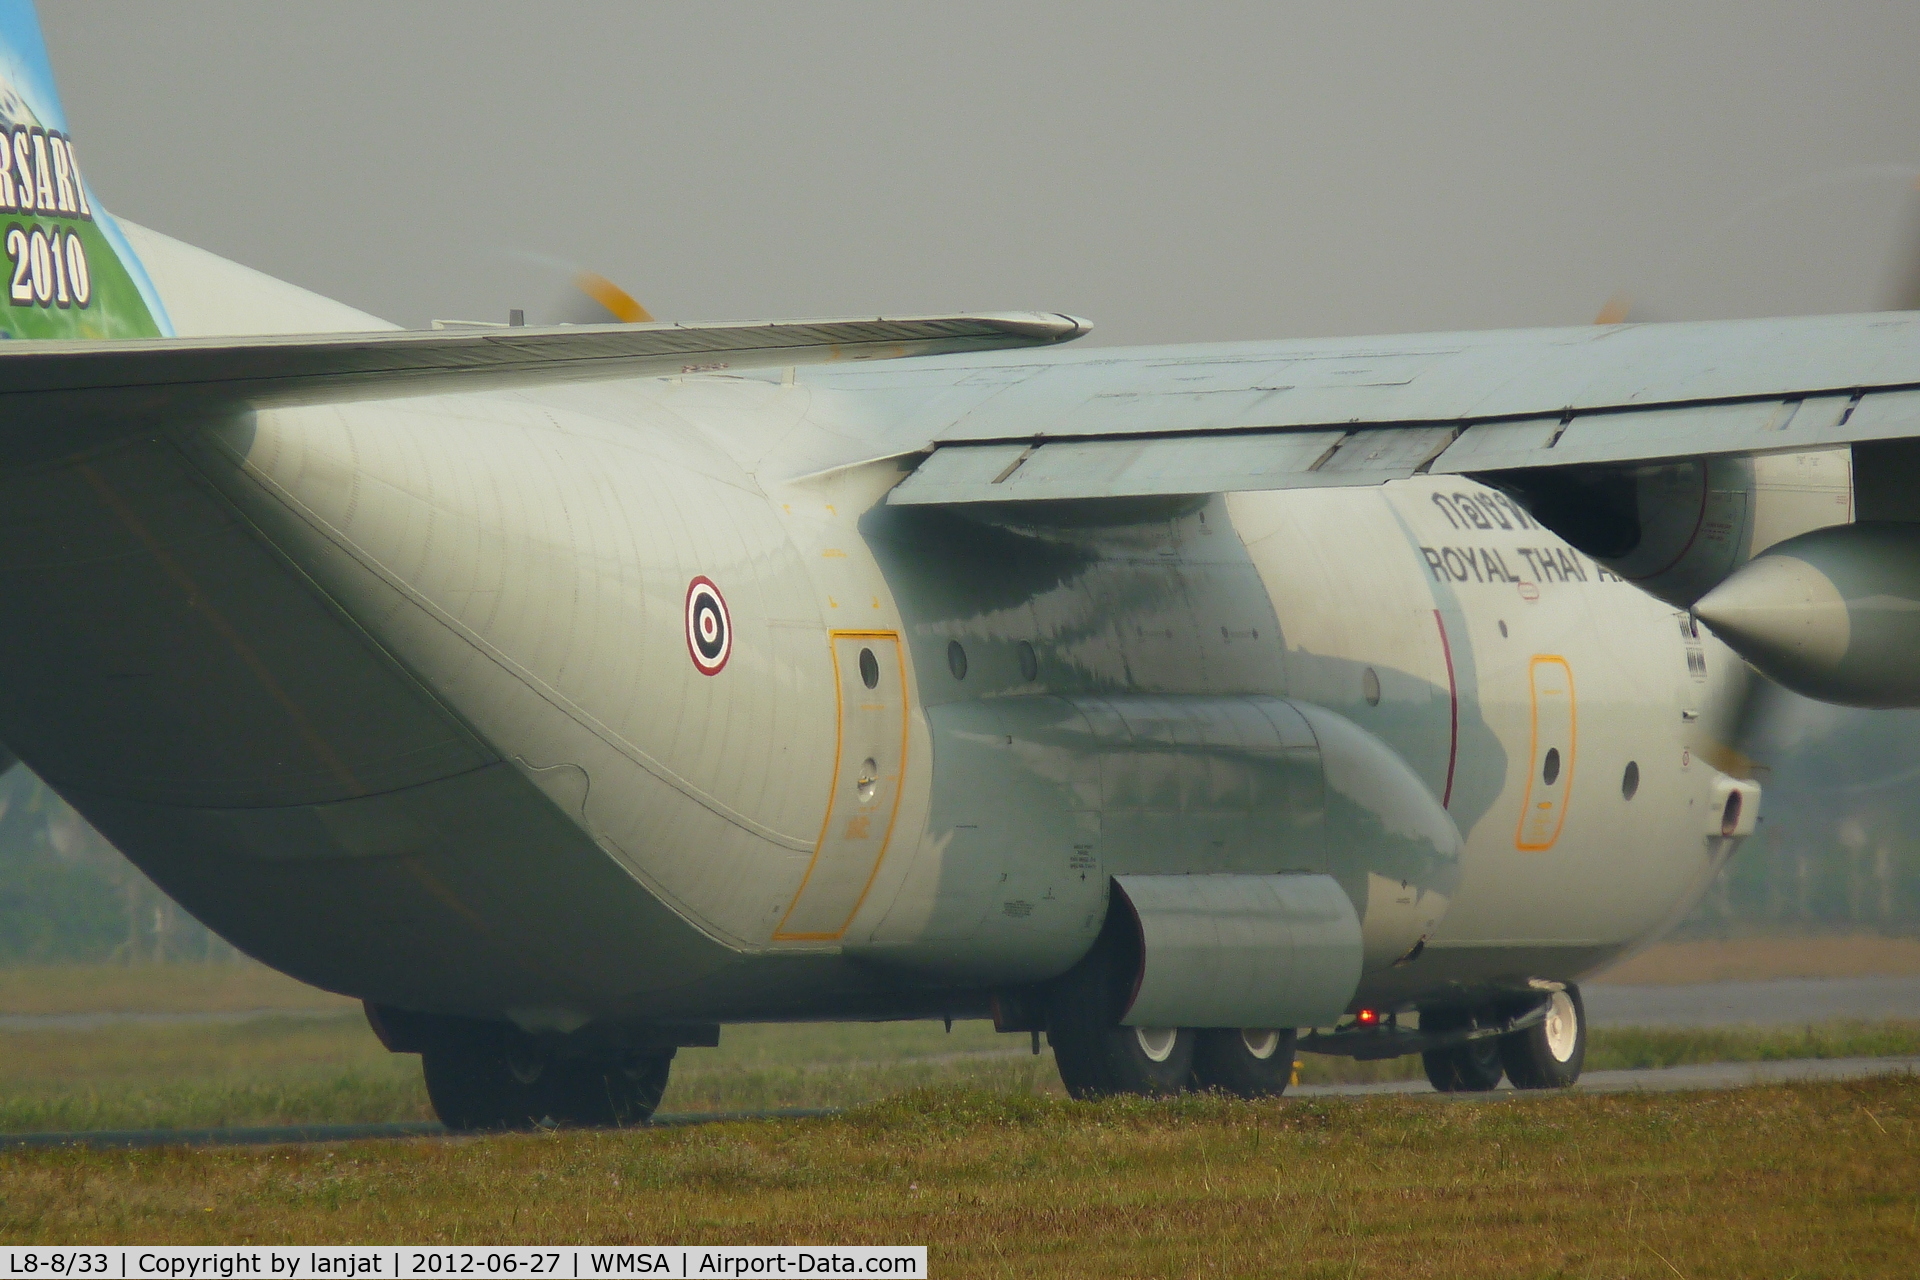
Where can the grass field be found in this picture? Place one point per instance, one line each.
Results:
(320, 1064)
(330, 1069)
(1806, 1180)
(158, 988)
(244, 985)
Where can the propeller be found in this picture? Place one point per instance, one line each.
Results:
(580, 296)
(1900, 287)
(1616, 311)
(597, 300)
(1823, 763)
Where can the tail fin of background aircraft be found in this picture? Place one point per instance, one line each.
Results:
(69, 270)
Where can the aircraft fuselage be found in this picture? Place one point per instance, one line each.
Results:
(563, 707)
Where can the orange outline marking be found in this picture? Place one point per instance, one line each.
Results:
(1533, 752)
(833, 794)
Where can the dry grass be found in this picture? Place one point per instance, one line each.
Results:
(1765, 959)
(158, 988)
(1813, 1180)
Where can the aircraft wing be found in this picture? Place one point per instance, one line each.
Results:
(116, 382)
(1365, 410)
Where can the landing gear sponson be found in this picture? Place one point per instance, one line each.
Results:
(1098, 1057)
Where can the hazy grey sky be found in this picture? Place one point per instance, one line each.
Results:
(1174, 172)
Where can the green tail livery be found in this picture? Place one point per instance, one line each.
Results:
(70, 272)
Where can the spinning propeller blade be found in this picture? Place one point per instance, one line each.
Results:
(610, 298)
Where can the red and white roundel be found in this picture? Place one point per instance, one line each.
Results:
(709, 629)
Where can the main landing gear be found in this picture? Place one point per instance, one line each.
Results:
(1546, 1055)
(1098, 1057)
(502, 1078)
(1465, 1050)
(1095, 1054)
(492, 1076)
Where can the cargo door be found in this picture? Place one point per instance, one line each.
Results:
(870, 673)
(1544, 808)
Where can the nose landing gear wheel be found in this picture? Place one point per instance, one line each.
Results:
(1248, 1063)
(1473, 1067)
(1549, 1054)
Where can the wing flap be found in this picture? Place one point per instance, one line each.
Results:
(1692, 431)
(1168, 465)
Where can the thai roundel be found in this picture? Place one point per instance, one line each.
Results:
(709, 629)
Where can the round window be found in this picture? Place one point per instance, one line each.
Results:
(869, 668)
(1029, 662)
(1370, 687)
(1630, 780)
(956, 660)
(1550, 768)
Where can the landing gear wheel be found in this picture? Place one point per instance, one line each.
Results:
(1099, 1061)
(489, 1077)
(1549, 1055)
(1097, 1056)
(486, 1078)
(1473, 1067)
(608, 1092)
(1248, 1063)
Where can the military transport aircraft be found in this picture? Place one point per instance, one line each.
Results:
(565, 693)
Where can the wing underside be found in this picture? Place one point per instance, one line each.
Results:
(1300, 415)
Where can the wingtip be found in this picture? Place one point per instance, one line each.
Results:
(1041, 326)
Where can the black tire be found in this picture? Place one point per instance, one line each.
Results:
(1473, 1067)
(1096, 1056)
(608, 1092)
(1550, 1054)
(1246, 1064)
(486, 1078)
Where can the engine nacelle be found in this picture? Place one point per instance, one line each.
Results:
(1833, 614)
(1677, 529)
